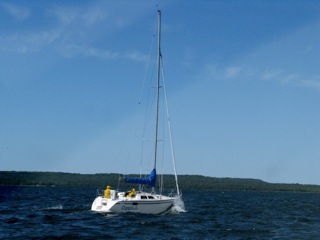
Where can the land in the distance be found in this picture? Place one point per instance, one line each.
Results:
(14, 178)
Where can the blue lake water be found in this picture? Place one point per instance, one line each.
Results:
(64, 213)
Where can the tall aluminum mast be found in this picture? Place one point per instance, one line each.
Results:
(157, 89)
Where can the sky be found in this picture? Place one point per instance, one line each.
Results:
(242, 78)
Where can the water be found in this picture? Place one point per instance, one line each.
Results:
(64, 213)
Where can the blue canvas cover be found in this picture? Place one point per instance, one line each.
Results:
(151, 180)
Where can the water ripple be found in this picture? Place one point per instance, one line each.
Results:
(64, 213)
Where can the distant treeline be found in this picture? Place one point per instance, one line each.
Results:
(13, 178)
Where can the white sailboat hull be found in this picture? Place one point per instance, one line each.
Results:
(145, 203)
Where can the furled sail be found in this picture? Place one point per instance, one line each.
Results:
(151, 180)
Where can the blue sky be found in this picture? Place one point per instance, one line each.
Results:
(243, 84)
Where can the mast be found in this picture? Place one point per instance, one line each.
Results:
(157, 90)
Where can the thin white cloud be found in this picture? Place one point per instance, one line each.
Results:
(71, 31)
(33, 42)
(311, 83)
(136, 56)
(87, 17)
(232, 72)
(270, 74)
(75, 50)
(72, 50)
(288, 79)
(65, 15)
(274, 76)
(291, 79)
(94, 15)
(18, 12)
(81, 16)
(289, 61)
(26, 43)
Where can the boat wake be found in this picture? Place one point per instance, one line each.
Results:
(178, 206)
(54, 207)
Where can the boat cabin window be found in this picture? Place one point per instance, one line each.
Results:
(143, 197)
(150, 197)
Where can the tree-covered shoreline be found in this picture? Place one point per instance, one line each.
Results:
(15, 178)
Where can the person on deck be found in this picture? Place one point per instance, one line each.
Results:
(107, 192)
(132, 193)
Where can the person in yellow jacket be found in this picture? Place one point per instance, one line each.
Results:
(107, 192)
(132, 193)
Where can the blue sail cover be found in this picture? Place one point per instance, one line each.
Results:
(151, 180)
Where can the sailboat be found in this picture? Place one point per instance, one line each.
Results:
(113, 201)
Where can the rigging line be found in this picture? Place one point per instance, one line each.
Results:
(163, 144)
(148, 62)
(147, 96)
(169, 126)
(148, 109)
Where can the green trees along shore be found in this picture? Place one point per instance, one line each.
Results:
(13, 178)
